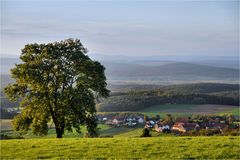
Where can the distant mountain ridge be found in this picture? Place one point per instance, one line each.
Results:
(171, 69)
(149, 71)
(215, 61)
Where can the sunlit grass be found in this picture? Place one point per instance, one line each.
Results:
(52, 133)
(122, 148)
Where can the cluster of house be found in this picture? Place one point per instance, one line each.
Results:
(122, 120)
(183, 124)
(180, 124)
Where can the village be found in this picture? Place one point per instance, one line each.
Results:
(194, 125)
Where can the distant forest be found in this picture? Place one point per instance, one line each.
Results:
(137, 97)
(140, 97)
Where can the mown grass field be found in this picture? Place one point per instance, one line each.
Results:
(182, 110)
(235, 112)
(6, 124)
(123, 148)
(178, 110)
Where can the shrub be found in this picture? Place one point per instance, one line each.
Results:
(4, 136)
(146, 133)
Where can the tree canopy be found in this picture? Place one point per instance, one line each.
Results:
(57, 81)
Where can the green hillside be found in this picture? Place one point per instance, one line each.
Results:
(122, 148)
(137, 98)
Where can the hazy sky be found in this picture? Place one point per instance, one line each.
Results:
(124, 27)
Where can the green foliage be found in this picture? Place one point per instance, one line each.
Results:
(56, 81)
(4, 136)
(168, 120)
(92, 129)
(146, 133)
(230, 118)
(206, 132)
(231, 132)
(146, 118)
(22, 122)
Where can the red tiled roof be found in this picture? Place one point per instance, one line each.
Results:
(185, 125)
(182, 119)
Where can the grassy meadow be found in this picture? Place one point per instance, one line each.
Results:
(122, 148)
(235, 112)
(179, 110)
(189, 109)
(182, 110)
(104, 130)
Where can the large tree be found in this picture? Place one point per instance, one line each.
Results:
(57, 81)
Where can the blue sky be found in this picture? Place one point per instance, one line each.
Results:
(136, 28)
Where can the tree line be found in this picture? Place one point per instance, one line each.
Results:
(135, 102)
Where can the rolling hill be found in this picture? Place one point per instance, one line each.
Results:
(135, 98)
(122, 71)
(171, 69)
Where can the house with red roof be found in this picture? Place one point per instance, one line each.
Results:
(117, 120)
(184, 127)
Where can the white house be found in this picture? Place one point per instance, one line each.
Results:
(152, 122)
(129, 119)
(160, 129)
(140, 120)
(115, 121)
(131, 124)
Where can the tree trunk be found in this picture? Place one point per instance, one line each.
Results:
(59, 132)
(59, 127)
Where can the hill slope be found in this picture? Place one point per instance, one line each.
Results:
(121, 148)
(139, 97)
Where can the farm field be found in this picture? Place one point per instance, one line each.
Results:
(189, 109)
(235, 112)
(179, 110)
(120, 148)
(6, 124)
(104, 130)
